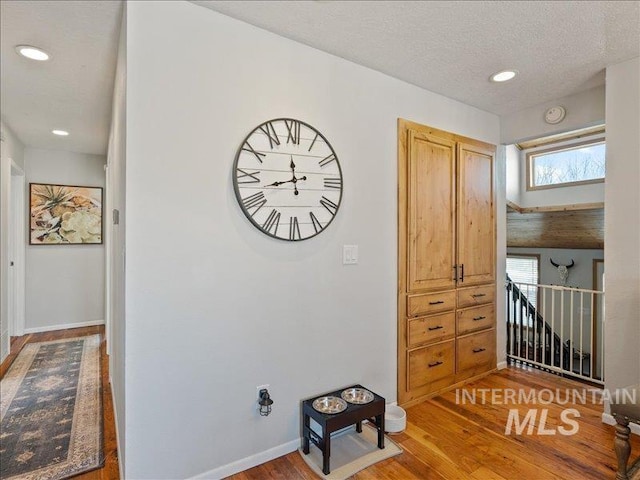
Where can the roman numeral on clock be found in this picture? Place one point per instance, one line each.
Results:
(312, 143)
(272, 221)
(255, 202)
(293, 131)
(270, 132)
(317, 226)
(294, 229)
(248, 148)
(331, 207)
(247, 177)
(334, 183)
(327, 160)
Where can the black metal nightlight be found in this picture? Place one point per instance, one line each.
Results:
(265, 402)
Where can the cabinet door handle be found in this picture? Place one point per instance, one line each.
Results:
(455, 273)
(434, 364)
(462, 272)
(482, 317)
(436, 303)
(479, 295)
(478, 350)
(435, 328)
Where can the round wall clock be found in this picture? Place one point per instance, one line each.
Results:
(287, 179)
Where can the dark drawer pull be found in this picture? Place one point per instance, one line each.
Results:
(478, 350)
(435, 328)
(436, 303)
(434, 364)
(482, 317)
(479, 295)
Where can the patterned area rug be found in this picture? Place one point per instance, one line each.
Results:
(51, 411)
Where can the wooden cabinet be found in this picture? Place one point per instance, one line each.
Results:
(446, 260)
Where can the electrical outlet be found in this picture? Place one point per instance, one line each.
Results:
(261, 387)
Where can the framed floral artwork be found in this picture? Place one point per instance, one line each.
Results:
(64, 214)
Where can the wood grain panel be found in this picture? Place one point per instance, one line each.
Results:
(476, 228)
(433, 328)
(475, 318)
(469, 297)
(556, 229)
(432, 363)
(476, 349)
(431, 212)
(427, 303)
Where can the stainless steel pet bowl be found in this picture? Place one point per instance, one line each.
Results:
(359, 396)
(329, 405)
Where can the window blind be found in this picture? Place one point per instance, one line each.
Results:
(524, 269)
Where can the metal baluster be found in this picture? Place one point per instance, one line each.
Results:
(591, 372)
(581, 331)
(571, 340)
(544, 327)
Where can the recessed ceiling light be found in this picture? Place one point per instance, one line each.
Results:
(503, 76)
(32, 53)
(62, 133)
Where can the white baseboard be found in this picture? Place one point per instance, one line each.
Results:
(50, 328)
(609, 420)
(249, 462)
(502, 365)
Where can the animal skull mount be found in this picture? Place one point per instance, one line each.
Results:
(563, 270)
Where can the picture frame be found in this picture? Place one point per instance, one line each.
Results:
(65, 214)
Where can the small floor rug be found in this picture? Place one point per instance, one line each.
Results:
(51, 411)
(351, 452)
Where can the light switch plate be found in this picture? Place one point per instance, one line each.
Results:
(350, 254)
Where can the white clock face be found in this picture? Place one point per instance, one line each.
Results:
(287, 179)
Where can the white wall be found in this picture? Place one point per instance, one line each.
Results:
(64, 283)
(11, 149)
(622, 225)
(214, 307)
(584, 109)
(11, 144)
(514, 169)
(115, 243)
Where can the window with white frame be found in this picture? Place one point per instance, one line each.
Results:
(569, 164)
(524, 269)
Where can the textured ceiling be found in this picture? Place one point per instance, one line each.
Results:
(72, 91)
(452, 47)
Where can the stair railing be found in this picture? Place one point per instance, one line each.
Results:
(571, 339)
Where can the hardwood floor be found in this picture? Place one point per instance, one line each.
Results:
(449, 440)
(110, 469)
(444, 439)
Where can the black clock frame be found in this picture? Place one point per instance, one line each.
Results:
(236, 189)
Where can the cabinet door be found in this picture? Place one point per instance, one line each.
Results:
(476, 229)
(431, 212)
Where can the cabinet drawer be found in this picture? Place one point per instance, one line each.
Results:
(426, 303)
(477, 349)
(476, 318)
(468, 297)
(428, 364)
(431, 329)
